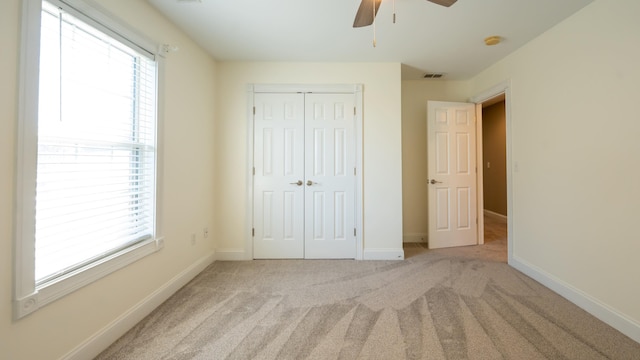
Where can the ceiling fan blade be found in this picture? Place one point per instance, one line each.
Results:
(364, 16)
(446, 3)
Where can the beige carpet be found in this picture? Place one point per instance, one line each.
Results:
(463, 303)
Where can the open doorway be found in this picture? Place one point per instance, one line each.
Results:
(498, 94)
(494, 173)
(497, 221)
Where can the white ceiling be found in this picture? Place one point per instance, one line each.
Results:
(425, 38)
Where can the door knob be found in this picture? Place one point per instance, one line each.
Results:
(309, 182)
(299, 183)
(433, 182)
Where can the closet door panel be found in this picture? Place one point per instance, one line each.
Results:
(330, 176)
(278, 196)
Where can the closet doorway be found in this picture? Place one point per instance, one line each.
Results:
(305, 167)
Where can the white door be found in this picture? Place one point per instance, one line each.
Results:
(451, 147)
(278, 200)
(330, 177)
(304, 179)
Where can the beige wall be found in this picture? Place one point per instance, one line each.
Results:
(575, 131)
(494, 155)
(415, 94)
(9, 36)
(382, 145)
(189, 99)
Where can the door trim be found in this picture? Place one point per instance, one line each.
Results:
(357, 91)
(305, 88)
(498, 89)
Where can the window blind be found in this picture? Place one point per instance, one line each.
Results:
(95, 189)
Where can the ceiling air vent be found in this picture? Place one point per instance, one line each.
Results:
(433, 75)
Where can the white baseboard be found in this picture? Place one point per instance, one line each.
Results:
(495, 215)
(231, 255)
(384, 254)
(414, 238)
(613, 318)
(112, 332)
(369, 254)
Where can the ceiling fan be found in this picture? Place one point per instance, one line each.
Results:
(366, 12)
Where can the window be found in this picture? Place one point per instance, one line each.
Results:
(93, 132)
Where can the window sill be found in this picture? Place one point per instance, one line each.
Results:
(60, 287)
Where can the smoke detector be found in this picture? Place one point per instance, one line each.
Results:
(492, 40)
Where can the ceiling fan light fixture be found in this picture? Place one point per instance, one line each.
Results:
(369, 8)
(492, 40)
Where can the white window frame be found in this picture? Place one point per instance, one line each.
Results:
(27, 296)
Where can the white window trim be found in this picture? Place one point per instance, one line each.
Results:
(27, 297)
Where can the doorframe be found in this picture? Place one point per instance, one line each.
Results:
(357, 91)
(488, 94)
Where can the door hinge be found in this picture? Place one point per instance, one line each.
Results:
(354, 231)
(254, 110)
(354, 172)
(254, 170)
(253, 232)
(354, 110)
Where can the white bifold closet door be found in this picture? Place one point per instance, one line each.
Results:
(304, 176)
